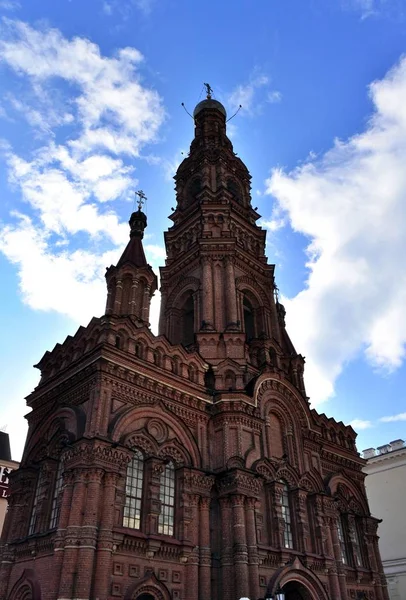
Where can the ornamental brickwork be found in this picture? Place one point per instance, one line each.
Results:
(188, 465)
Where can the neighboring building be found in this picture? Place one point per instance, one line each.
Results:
(188, 465)
(6, 467)
(386, 491)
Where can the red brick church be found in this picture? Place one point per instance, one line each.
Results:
(188, 465)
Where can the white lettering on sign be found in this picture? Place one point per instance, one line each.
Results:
(4, 474)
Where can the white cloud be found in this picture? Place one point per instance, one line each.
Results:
(9, 5)
(394, 418)
(253, 95)
(376, 8)
(360, 424)
(116, 112)
(66, 231)
(274, 97)
(351, 205)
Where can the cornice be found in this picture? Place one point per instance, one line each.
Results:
(382, 462)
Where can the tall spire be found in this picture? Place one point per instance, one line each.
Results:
(132, 282)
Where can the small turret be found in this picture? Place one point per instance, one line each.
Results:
(132, 282)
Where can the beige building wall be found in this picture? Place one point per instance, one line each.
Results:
(6, 466)
(386, 491)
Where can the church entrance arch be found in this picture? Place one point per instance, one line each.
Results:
(296, 591)
(146, 597)
(297, 582)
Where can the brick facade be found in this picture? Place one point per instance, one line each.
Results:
(188, 465)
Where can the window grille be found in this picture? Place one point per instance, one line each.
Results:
(287, 533)
(133, 490)
(55, 508)
(341, 539)
(167, 498)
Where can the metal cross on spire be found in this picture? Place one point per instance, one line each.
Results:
(209, 90)
(141, 198)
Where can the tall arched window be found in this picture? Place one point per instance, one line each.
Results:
(39, 490)
(287, 532)
(133, 491)
(55, 507)
(356, 546)
(167, 498)
(342, 539)
(249, 324)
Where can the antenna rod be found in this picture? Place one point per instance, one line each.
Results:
(186, 110)
(236, 112)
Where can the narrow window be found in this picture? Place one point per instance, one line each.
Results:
(34, 511)
(356, 544)
(56, 508)
(248, 320)
(167, 498)
(133, 491)
(287, 533)
(188, 322)
(341, 539)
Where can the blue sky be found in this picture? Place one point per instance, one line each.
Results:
(90, 111)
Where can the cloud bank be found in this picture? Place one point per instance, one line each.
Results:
(92, 114)
(351, 205)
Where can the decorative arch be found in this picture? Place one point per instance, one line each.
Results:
(248, 284)
(183, 286)
(176, 452)
(288, 474)
(27, 587)
(121, 427)
(267, 388)
(68, 422)
(149, 585)
(266, 469)
(142, 441)
(297, 572)
(340, 485)
(312, 481)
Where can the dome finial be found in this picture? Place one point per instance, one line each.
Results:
(209, 90)
(138, 221)
(141, 198)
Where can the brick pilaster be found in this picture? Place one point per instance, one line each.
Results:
(205, 553)
(103, 569)
(240, 545)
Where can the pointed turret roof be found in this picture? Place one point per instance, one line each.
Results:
(134, 251)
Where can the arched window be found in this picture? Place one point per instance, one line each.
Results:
(167, 498)
(55, 507)
(341, 533)
(229, 380)
(356, 546)
(194, 188)
(188, 322)
(249, 323)
(125, 308)
(234, 189)
(287, 532)
(139, 350)
(133, 491)
(39, 491)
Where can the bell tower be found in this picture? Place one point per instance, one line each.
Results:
(218, 291)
